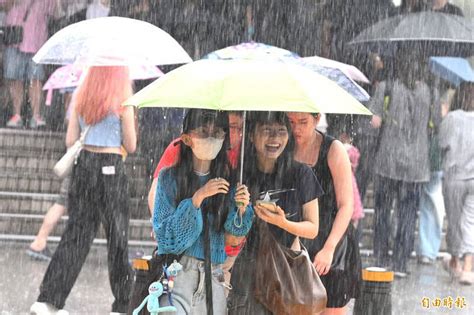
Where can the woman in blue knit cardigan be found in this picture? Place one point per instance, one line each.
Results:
(193, 192)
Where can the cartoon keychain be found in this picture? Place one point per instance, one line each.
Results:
(152, 301)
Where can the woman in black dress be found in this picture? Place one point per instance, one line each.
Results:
(335, 251)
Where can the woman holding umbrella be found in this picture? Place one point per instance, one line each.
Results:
(98, 191)
(269, 166)
(188, 195)
(335, 251)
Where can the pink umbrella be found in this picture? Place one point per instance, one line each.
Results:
(351, 71)
(70, 75)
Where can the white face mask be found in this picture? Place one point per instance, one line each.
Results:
(206, 149)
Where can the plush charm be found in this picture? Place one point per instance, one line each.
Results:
(173, 269)
(152, 301)
(171, 273)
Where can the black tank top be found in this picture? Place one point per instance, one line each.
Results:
(327, 202)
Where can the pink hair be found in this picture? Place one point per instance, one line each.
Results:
(102, 92)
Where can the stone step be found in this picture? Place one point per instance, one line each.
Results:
(29, 224)
(48, 183)
(21, 162)
(32, 141)
(38, 204)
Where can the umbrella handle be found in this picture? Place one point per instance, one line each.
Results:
(242, 147)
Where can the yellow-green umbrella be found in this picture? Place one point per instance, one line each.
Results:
(241, 85)
(247, 85)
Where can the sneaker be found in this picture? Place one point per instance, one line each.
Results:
(36, 122)
(466, 278)
(41, 308)
(15, 122)
(44, 254)
(424, 260)
(400, 274)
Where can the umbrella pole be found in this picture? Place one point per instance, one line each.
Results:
(242, 146)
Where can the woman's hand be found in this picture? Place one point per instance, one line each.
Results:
(322, 261)
(212, 187)
(271, 214)
(242, 198)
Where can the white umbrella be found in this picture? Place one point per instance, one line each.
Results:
(111, 41)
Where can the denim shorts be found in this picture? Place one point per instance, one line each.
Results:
(62, 198)
(18, 65)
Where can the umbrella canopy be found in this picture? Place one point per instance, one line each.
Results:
(112, 41)
(259, 51)
(351, 71)
(253, 51)
(247, 85)
(340, 78)
(445, 34)
(453, 69)
(70, 76)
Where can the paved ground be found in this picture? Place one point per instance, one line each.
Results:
(21, 277)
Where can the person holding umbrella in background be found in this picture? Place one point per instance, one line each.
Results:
(401, 112)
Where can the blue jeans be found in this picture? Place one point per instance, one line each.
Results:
(431, 215)
(189, 293)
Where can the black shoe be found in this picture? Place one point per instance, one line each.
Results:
(44, 254)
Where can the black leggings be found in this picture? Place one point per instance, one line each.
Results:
(98, 194)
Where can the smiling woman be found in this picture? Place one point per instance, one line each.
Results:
(269, 167)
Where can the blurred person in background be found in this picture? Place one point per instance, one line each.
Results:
(457, 143)
(443, 6)
(18, 67)
(401, 109)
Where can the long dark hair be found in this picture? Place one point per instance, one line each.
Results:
(187, 182)
(285, 161)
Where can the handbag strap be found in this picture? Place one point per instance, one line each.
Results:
(84, 134)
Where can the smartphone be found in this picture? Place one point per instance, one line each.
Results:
(269, 205)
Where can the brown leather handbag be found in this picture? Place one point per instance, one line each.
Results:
(286, 281)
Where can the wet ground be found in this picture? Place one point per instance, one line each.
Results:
(21, 277)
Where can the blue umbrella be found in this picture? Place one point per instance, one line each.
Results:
(453, 69)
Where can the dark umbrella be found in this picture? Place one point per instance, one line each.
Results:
(434, 33)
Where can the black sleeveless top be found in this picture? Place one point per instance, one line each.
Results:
(327, 202)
